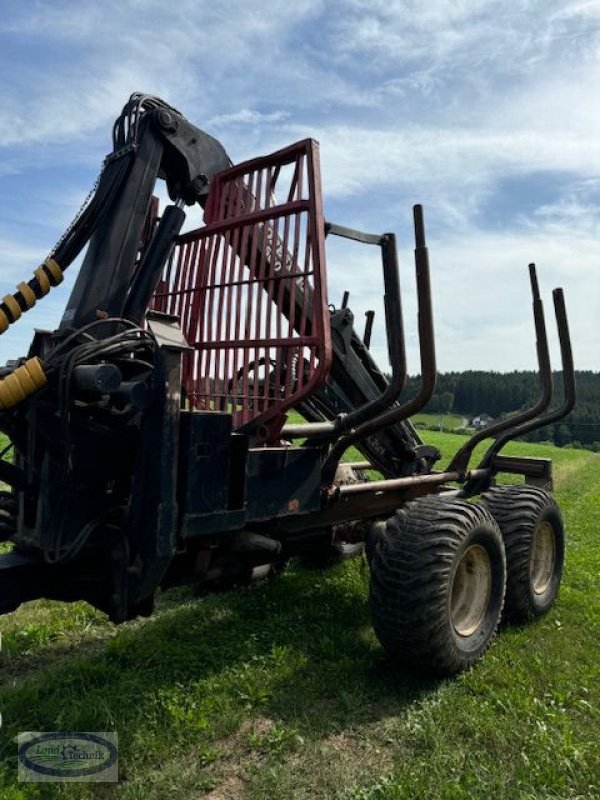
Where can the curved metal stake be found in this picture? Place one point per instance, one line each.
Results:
(428, 366)
(568, 383)
(396, 352)
(461, 460)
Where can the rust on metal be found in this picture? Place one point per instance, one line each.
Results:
(250, 290)
(369, 499)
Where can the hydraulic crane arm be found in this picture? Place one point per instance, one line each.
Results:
(151, 140)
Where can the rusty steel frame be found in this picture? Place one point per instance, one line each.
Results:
(251, 240)
(367, 500)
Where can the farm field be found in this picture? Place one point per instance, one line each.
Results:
(449, 421)
(281, 690)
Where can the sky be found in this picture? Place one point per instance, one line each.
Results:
(486, 112)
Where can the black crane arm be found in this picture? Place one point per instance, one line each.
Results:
(153, 140)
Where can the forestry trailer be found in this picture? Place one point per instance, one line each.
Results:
(151, 432)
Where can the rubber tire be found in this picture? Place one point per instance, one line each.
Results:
(517, 510)
(412, 573)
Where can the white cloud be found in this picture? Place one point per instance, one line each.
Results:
(16, 255)
(481, 295)
(451, 163)
(247, 116)
(411, 101)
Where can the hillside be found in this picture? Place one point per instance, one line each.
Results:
(281, 690)
(497, 394)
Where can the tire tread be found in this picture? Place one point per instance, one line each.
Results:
(517, 509)
(410, 574)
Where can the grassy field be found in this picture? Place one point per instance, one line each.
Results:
(280, 690)
(449, 421)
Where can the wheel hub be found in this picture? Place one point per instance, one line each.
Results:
(471, 590)
(543, 557)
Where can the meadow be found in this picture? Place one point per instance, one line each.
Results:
(281, 690)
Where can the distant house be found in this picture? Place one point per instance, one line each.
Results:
(481, 421)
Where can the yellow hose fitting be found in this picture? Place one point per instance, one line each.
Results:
(12, 305)
(48, 275)
(36, 371)
(43, 280)
(27, 294)
(7, 397)
(54, 271)
(21, 383)
(12, 386)
(27, 384)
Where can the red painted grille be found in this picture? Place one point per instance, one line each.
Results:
(249, 289)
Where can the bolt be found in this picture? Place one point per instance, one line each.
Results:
(166, 120)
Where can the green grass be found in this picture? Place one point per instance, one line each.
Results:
(280, 690)
(449, 421)
(564, 461)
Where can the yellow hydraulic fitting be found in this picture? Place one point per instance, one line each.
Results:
(27, 294)
(21, 383)
(10, 301)
(13, 305)
(30, 376)
(55, 271)
(43, 280)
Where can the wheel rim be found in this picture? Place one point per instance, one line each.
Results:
(471, 590)
(543, 557)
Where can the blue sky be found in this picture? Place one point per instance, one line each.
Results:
(486, 112)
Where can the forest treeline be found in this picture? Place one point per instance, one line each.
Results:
(474, 393)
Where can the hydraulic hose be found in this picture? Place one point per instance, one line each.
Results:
(49, 274)
(30, 376)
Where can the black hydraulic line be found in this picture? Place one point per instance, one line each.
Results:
(428, 363)
(461, 459)
(114, 172)
(50, 273)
